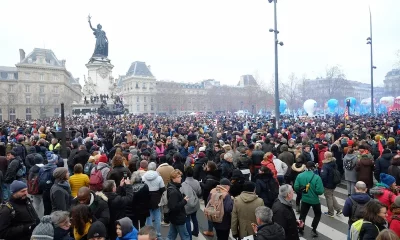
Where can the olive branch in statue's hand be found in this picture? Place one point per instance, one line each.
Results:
(89, 17)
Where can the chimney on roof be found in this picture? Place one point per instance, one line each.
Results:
(63, 62)
(21, 55)
(149, 67)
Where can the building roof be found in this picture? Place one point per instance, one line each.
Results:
(49, 57)
(139, 69)
(6, 71)
(247, 80)
(120, 81)
(169, 84)
(393, 72)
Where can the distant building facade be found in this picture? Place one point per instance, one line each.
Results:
(36, 87)
(392, 83)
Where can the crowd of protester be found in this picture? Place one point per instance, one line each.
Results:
(128, 177)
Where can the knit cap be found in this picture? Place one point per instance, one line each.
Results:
(191, 149)
(60, 172)
(51, 157)
(44, 230)
(103, 158)
(17, 186)
(97, 230)
(387, 179)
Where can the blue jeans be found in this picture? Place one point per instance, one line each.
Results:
(156, 215)
(6, 192)
(195, 224)
(175, 229)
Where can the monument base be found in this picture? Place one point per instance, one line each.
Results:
(99, 79)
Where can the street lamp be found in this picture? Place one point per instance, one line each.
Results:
(372, 67)
(276, 42)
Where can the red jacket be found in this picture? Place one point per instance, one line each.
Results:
(321, 157)
(394, 225)
(386, 197)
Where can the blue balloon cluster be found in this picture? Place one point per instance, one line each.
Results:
(332, 104)
(282, 105)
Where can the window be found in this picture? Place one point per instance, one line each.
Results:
(152, 107)
(137, 99)
(12, 114)
(56, 101)
(55, 89)
(27, 88)
(144, 86)
(11, 88)
(41, 99)
(41, 89)
(145, 108)
(11, 76)
(144, 99)
(28, 99)
(56, 111)
(137, 85)
(41, 77)
(28, 112)
(138, 107)
(151, 99)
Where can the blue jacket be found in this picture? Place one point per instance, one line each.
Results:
(328, 166)
(360, 198)
(133, 235)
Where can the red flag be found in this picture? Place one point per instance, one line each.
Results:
(380, 148)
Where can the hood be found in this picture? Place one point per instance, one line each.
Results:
(360, 197)
(328, 160)
(126, 225)
(298, 167)
(350, 156)
(49, 166)
(31, 150)
(387, 156)
(150, 175)
(101, 195)
(248, 196)
(284, 148)
(378, 190)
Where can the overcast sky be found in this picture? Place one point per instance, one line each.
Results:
(189, 41)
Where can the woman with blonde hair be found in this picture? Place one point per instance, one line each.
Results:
(387, 234)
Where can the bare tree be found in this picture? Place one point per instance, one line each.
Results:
(290, 91)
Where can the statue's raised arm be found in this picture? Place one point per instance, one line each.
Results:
(90, 23)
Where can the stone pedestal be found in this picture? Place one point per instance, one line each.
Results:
(99, 79)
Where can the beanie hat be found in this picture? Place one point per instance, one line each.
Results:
(97, 230)
(225, 181)
(397, 201)
(44, 230)
(201, 155)
(387, 179)
(60, 172)
(249, 186)
(191, 149)
(38, 159)
(103, 158)
(202, 149)
(51, 157)
(17, 186)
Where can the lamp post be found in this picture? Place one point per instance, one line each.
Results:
(369, 41)
(276, 42)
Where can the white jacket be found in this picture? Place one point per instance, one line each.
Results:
(280, 166)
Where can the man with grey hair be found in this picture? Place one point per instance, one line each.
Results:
(284, 213)
(156, 187)
(147, 233)
(265, 227)
(353, 207)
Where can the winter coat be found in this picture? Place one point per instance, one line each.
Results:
(283, 214)
(140, 206)
(267, 188)
(156, 187)
(382, 165)
(281, 167)
(243, 213)
(198, 171)
(364, 168)
(244, 162)
(257, 157)
(165, 172)
(105, 170)
(271, 166)
(360, 198)
(77, 181)
(61, 234)
(329, 165)
(99, 207)
(316, 187)
(30, 158)
(129, 232)
(271, 231)
(228, 207)
(369, 231)
(226, 169)
(209, 182)
(176, 204)
(194, 184)
(188, 191)
(394, 222)
(350, 175)
(286, 156)
(117, 203)
(394, 170)
(12, 169)
(81, 157)
(117, 173)
(384, 195)
(217, 156)
(22, 224)
(60, 196)
(321, 155)
(295, 170)
(179, 165)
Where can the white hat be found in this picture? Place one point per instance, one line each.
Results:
(202, 149)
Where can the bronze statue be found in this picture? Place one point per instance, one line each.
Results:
(101, 48)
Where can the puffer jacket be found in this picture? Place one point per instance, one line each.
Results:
(156, 187)
(329, 164)
(243, 213)
(382, 193)
(176, 204)
(364, 168)
(382, 165)
(271, 231)
(350, 175)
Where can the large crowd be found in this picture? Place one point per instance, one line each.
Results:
(128, 177)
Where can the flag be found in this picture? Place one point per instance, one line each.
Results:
(380, 147)
(346, 114)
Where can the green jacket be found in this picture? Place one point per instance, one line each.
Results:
(316, 187)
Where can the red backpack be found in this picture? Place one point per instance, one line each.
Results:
(33, 184)
(96, 179)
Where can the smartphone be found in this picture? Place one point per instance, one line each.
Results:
(125, 175)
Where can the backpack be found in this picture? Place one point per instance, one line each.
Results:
(88, 168)
(96, 179)
(355, 229)
(214, 211)
(337, 177)
(45, 179)
(21, 169)
(348, 164)
(357, 210)
(33, 184)
(193, 204)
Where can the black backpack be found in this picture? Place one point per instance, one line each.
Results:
(357, 210)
